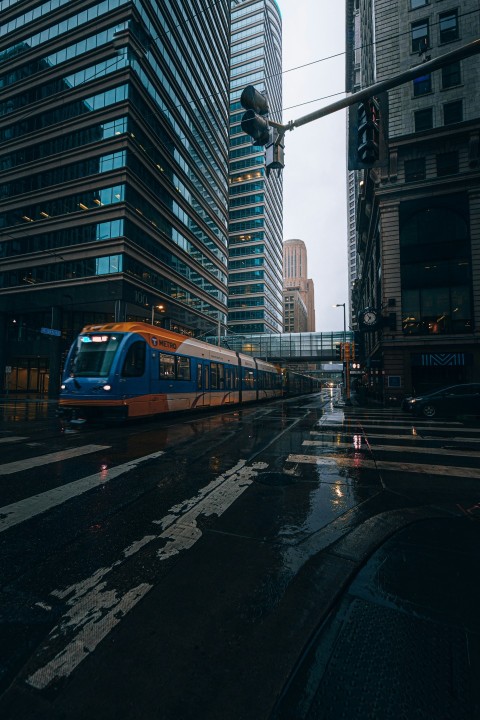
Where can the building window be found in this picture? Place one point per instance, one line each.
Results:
(417, 3)
(435, 266)
(422, 85)
(423, 119)
(414, 169)
(420, 37)
(452, 112)
(451, 75)
(447, 163)
(448, 26)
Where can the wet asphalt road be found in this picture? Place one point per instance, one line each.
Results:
(179, 568)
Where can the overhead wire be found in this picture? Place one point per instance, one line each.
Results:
(283, 72)
(304, 65)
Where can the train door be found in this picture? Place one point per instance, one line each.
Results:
(203, 383)
(135, 380)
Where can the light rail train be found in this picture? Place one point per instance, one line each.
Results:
(127, 370)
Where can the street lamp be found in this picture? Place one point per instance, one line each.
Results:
(344, 320)
(156, 307)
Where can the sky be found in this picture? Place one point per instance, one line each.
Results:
(314, 177)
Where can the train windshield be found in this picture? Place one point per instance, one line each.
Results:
(94, 354)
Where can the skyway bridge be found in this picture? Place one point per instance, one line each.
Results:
(309, 347)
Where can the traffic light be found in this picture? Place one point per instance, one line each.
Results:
(339, 350)
(368, 132)
(346, 352)
(254, 122)
(352, 351)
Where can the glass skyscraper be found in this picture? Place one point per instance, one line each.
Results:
(114, 159)
(256, 203)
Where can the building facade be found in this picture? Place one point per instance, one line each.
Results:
(114, 188)
(295, 316)
(256, 201)
(354, 82)
(298, 289)
(418, 216)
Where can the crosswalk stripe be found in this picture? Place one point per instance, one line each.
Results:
(28, 508)
(332, 418)
(12, 438)
(403, 423)
(95, 606)
(343, 462)
(408, 420)
(417, 426)
(398, 448)
(398, 436)
(40, 460)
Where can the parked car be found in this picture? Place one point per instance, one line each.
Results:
(449, 401)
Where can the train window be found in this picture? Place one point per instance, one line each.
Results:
(207, 377)
(167, 366)
(183, 368)
(134, 365)
(214, 376)
(221, 376)
(199, 376)
(249, 379)
(94, 355)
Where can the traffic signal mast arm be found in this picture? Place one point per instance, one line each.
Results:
(422, 69)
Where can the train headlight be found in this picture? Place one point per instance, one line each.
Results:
(63, 387)
(107, 387)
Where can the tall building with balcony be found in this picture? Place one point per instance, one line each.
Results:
(418, 217)
(114, 187)
(256, 201)
(298, 289)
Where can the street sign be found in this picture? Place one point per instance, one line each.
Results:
(51, 331)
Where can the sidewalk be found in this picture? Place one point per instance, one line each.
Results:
(403, 640)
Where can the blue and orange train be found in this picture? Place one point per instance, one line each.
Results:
(133, 370)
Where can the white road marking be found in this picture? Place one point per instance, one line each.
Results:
(336, 417)
(397, 436)
(396, 448)
(28, 508)
(11, 439)
(421, 427)
(93, 610)
(40, 460)
(343, 462)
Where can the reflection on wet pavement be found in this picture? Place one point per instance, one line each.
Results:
(20, 410)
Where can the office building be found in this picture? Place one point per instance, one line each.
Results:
(353, 178)
(114, 159)
(298, 289)
(418, 229)
(256, 201)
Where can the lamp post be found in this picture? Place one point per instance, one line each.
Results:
(344, 321)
